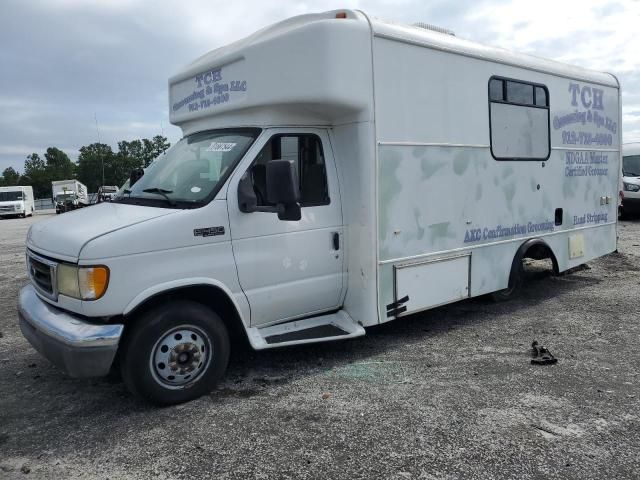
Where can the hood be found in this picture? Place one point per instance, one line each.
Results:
(63, 236)
(635, 180)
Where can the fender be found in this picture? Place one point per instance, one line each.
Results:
(183, 282)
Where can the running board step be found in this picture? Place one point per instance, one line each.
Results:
(325, 328)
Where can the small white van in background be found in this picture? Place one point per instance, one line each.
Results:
(16, 201)
(336, 172)
(630, 179)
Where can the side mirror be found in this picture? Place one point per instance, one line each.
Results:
(282, 189)
(135, 175)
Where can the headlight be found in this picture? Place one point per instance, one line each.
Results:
(83, 283)
(631, 187)
(17, 208)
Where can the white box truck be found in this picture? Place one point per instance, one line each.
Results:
(69, 195)
(16, 201)
(630, 179)
(336, 172)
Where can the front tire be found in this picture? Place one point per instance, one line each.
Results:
(175, 353)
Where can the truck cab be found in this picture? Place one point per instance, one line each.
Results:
(16, 201)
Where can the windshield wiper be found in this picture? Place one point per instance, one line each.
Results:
(163, 192)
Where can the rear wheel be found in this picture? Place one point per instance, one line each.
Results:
(175, 353)
(515, 285)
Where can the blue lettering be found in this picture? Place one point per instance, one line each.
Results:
(574, 88)
(585, 103)
(598, 95)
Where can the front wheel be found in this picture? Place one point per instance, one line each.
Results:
(175, 353)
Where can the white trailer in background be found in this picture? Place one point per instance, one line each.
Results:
(336, 172)
(69, 195)
(16, 200)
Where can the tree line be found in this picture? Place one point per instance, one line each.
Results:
(56, 165)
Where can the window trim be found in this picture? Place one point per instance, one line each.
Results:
(504, 96)
(324, 157)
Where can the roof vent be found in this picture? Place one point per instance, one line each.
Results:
(426, 26)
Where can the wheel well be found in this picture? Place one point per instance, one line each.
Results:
(536, 249)
(209, 295)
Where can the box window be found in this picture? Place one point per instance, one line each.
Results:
(518, 120)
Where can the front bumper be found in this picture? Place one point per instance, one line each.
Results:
(79, 348)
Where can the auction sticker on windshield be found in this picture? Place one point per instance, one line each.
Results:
(221, 147)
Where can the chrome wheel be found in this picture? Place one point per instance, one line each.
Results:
(180, 356)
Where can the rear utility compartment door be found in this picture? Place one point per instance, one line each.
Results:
(430, 283)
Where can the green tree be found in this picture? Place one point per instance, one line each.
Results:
(35, 174)
(10, 177)
(133, 151)
(59, 166)
(141, 153)
(153, 148)
(91, 160)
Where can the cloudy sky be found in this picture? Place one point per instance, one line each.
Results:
(64, 63)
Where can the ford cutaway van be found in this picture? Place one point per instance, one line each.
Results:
(336, 172)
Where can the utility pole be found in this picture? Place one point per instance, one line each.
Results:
(95, 116)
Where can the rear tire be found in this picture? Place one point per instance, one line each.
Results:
(174, 353)
(622, 214)
(516, 278)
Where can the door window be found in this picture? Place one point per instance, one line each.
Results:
(306, 154)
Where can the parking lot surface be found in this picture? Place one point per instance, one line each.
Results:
(446, 394)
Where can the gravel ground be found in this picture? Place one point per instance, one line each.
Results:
(447, 394)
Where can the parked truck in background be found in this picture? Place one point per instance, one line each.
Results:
(69, 195)
(106, 193)
(16, 201)
(630, 179)
(336, 172)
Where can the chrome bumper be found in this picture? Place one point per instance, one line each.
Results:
(80, 348)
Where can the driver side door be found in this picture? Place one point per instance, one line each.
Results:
(290, 269)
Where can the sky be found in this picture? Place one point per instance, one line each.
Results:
(73, 72)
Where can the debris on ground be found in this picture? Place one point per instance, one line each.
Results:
(541, 355)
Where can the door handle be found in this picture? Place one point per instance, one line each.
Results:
(336, 241)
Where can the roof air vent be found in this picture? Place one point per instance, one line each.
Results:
(426, 26)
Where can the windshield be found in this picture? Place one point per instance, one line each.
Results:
(193, 169)
(631, 166)
(62, 196)
(10, 196)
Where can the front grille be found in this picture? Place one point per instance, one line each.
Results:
(43, 274)
(9, 208)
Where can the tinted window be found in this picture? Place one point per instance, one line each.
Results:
(10, 196)
(519, 93)
(631, 166)
(541, 97)
(305, 151)
(495, 89)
